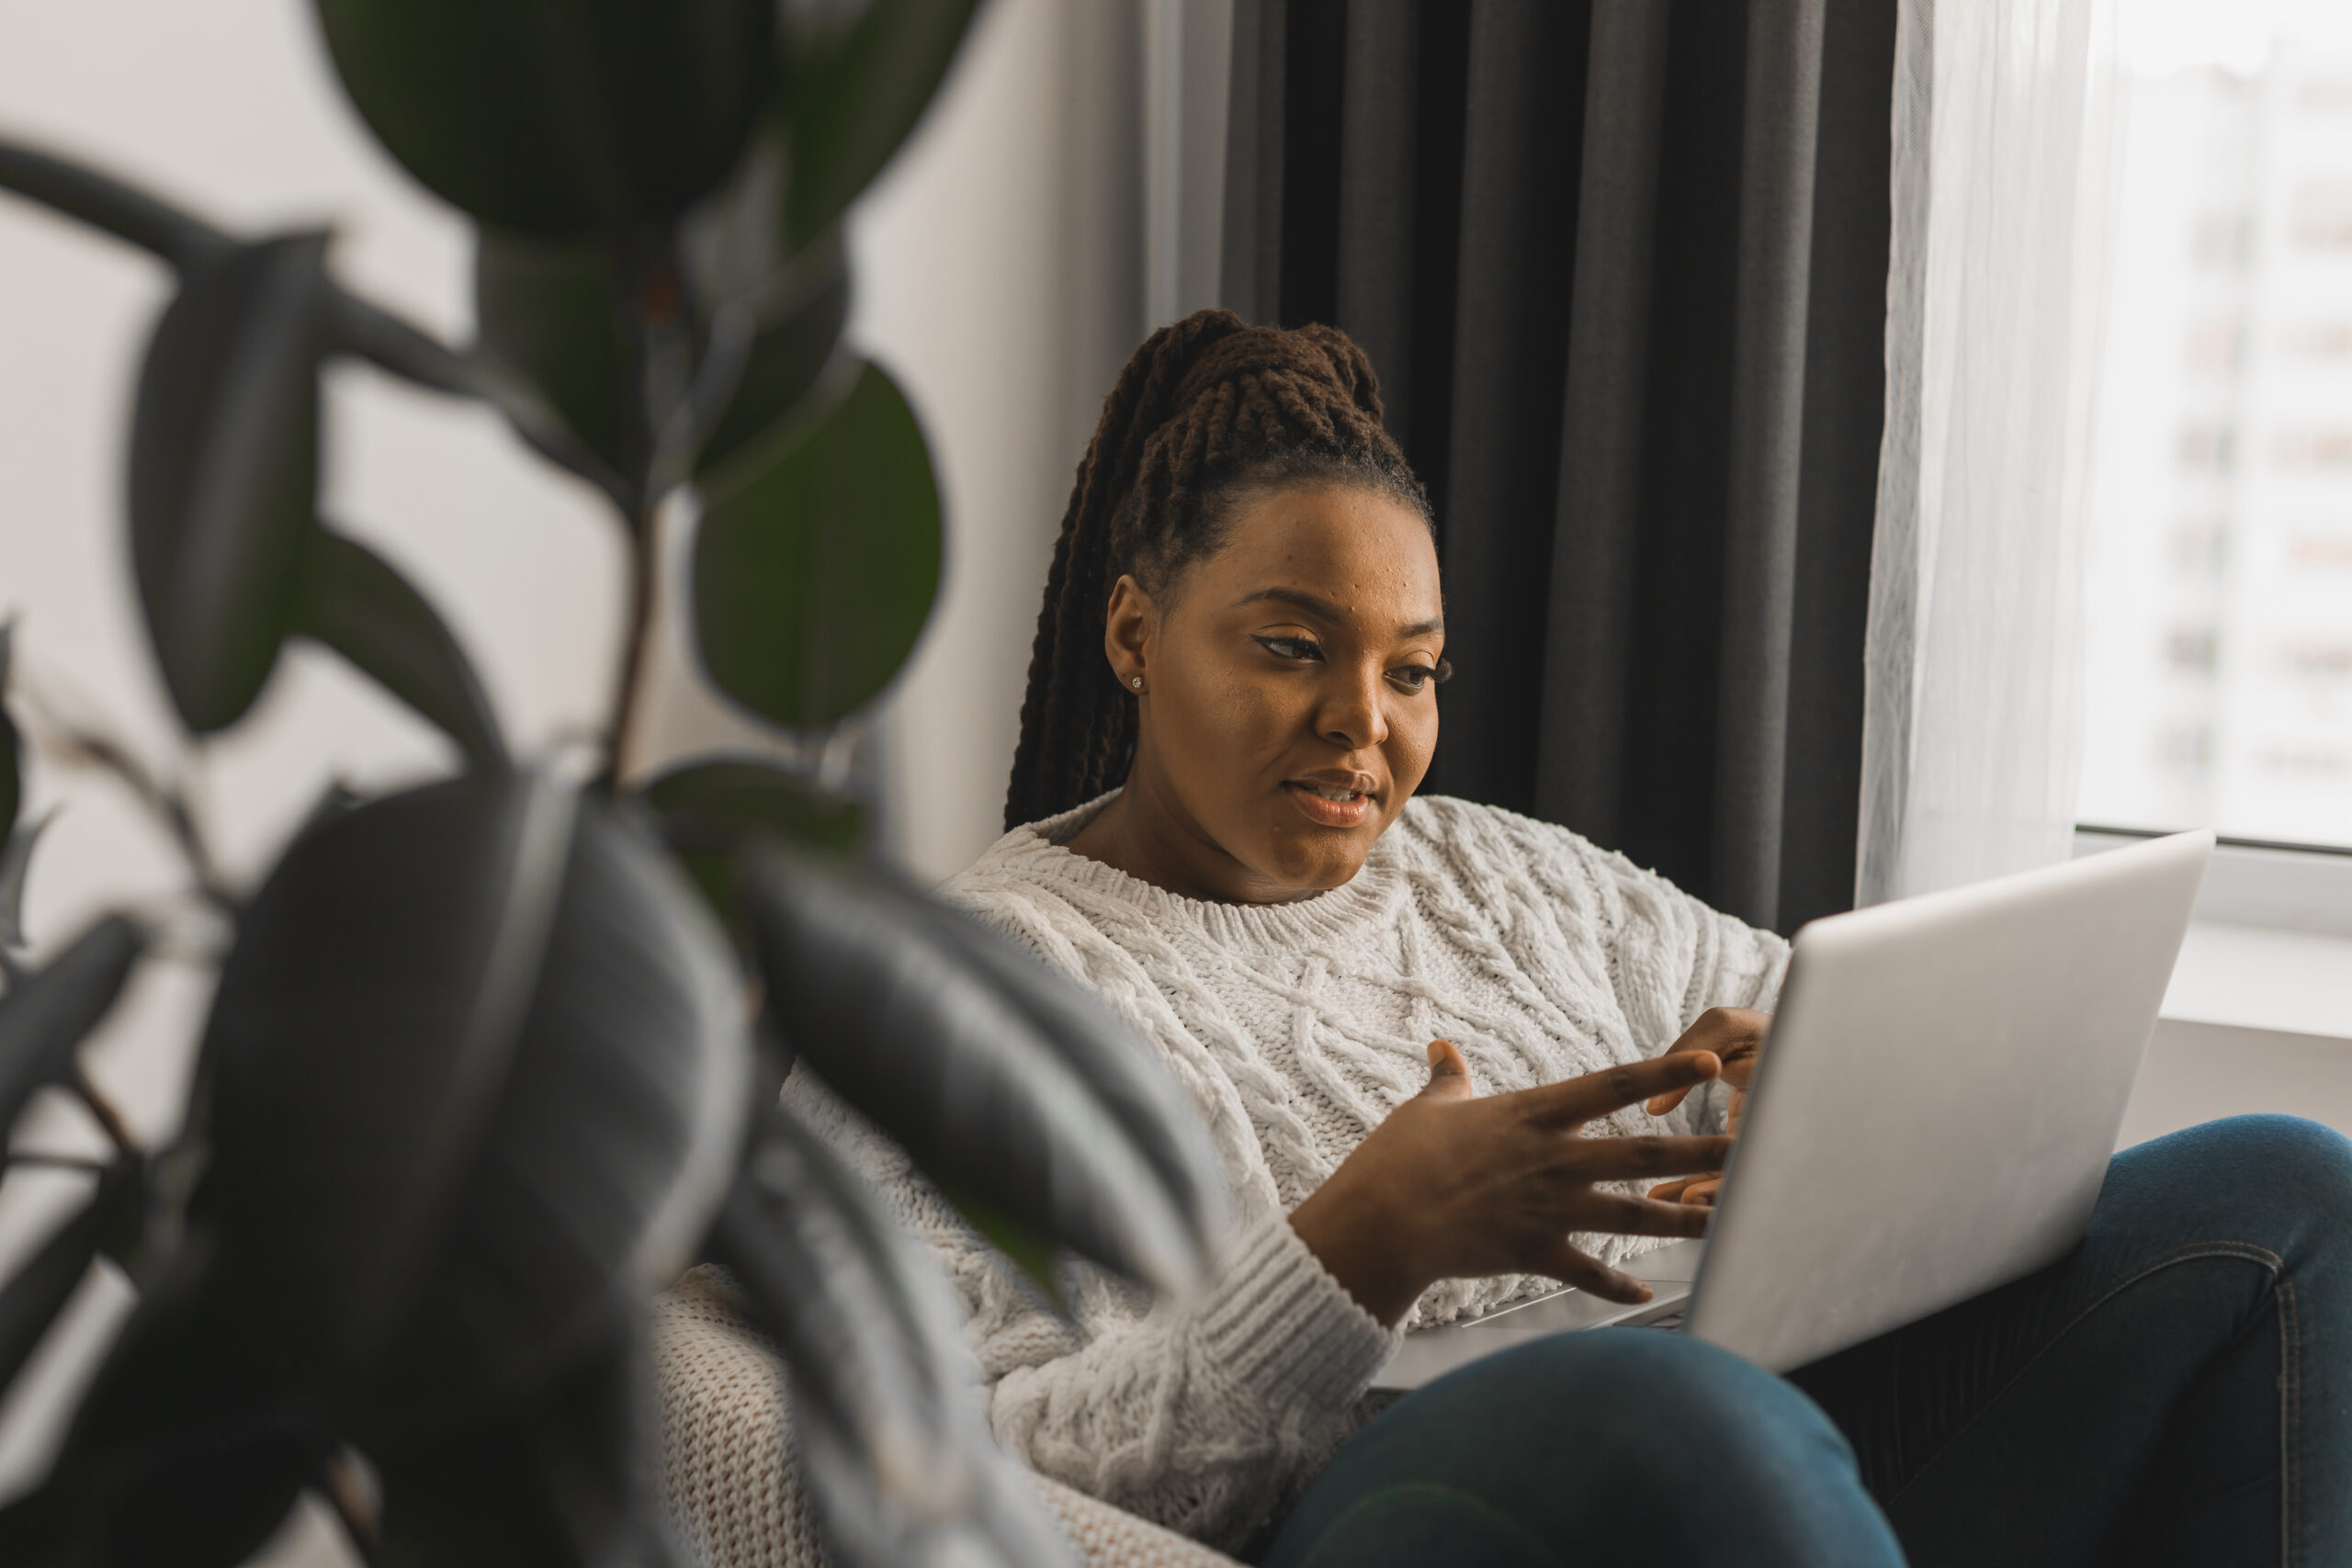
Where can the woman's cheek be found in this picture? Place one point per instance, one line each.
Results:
(1412, 739)
(1252, 719)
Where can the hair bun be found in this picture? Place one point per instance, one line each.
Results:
(1316, 360)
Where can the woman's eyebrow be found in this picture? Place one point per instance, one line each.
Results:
(1324, 610)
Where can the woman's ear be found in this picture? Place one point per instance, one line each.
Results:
(1129, 633)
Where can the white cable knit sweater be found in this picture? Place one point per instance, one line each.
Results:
(1296, 1028)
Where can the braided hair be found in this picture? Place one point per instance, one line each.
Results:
(1208, 409)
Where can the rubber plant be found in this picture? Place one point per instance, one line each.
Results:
(490, 1060)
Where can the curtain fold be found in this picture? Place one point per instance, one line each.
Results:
(1767, 420)
(1588, 640)
(1622, 266)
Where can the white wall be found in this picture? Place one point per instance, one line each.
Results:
(1001, 278)
(1001, 265)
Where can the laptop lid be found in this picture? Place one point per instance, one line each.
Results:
(1938, 1098)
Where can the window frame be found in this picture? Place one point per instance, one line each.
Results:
(2257, 882)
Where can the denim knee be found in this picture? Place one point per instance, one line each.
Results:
(1668, 1399)
(2268, 1180)
(2293, 1150)
(1696, 1398)
(1628, 1444)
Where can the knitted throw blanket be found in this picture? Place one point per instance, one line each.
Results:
(1296, 1028)
(729, 1470)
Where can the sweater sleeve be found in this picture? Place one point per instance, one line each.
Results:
(1203, 1416)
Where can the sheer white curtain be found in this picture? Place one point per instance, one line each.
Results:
(2004, 128)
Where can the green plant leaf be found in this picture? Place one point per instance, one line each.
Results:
(16, 859)
(715, 805)
(49, 1011)
(12, 781)
(707, 811)
(390, 343)
(814, 573)
(907, 1029)
(211, 1496)
(563, 1481)
(179, 1453)
(224, 470)
(794, 369)
(1121, 1070)
(791, 355)
(354, 602)
(895, 1456)
(1036, 1256)
(592, 115)
(858, 78)
(551, 312)
(532, 1102)
(32, 1299)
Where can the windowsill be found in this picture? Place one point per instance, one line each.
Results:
(2251, 978)
(2269, 944)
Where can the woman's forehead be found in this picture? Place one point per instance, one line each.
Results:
(1337, 551)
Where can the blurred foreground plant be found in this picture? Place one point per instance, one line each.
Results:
(480, 1076)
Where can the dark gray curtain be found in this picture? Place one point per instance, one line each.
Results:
(1622, 266)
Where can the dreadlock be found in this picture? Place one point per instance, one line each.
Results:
(1207, 411)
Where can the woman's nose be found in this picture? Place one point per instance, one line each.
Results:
(1353, 716)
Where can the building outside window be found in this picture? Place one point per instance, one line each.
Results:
(2219, 613)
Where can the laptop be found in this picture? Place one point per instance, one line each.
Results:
(1931, 1118)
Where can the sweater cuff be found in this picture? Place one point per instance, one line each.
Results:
(1279, 1324)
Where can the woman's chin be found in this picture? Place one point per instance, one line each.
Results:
(1302, 864)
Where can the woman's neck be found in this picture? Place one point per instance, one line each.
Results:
(1146, 833)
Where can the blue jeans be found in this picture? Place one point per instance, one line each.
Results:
(2177, 1389)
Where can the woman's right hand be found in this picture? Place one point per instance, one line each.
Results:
(1453, 1184)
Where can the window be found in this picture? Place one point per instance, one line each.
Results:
(2219, 612)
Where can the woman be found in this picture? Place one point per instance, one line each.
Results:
(1443, 1049)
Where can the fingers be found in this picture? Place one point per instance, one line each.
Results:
(1631, 1159)
(1733, 1034)
(1448, 1074)
(1598, 1094)
(1648, 1217)
(1698, 1191)
(1590, 1275)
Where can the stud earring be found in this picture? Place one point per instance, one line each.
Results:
(1136, 682)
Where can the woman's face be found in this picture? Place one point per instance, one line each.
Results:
(1289, 700)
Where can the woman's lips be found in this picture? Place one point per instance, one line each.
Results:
(1329, 807)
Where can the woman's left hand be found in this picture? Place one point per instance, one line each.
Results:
(1735, 1034)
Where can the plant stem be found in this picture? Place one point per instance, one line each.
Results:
(109, 1120)
(168, 804)
(390, 343)
(644, 573)
(367, 330)
(48, 1161)
(660, 337)
(103, 202)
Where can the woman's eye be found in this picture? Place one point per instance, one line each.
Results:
(1414, 677)
(1297, 647)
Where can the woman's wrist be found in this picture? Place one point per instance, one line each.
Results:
(1364, 1247)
